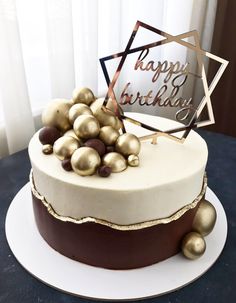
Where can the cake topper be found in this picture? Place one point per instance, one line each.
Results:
(162, 83)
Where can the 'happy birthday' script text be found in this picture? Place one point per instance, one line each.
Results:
(173, 75)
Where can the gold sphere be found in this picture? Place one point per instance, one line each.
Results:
(47, 149)
(133, 160)
(128, 144)
(65, 146)
(83, 95)
(56, 114)
(86, 127)
(77, 110)
(193, 245)
(85, 161)
(119, 124)
(205, 218)
(108, 135)
(115, 161)
(104, 118)
(110, 105)
(71, 133)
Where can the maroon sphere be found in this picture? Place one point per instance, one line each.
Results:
(104, 171)
(96, 144)
(66, 164)
(48, 135)
(110, 148)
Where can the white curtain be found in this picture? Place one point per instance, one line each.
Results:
(47, 47)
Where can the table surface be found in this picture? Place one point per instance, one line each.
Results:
(217, 285)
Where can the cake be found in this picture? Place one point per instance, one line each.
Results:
(137, 217)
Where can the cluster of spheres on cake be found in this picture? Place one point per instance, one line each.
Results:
(193, 244)
(85, 137)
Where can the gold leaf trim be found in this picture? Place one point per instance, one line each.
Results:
(135, 226)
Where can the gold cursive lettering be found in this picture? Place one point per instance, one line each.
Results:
(160, 67)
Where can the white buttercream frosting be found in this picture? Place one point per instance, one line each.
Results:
(169, 177)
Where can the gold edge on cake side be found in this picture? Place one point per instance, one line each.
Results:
(135, 226)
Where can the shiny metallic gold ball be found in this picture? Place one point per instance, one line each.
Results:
(85, 161)
(108, 135)
(128, 144)
(193, 245)
(86, 127)
(71, 133)
(77, 110)
(115, 161)
(104, 118)
(65, 146)
(205, 218)
(111, 106)
(133, 160)
(47, 149)
(119, 124)
(56, 114)
(83, 95)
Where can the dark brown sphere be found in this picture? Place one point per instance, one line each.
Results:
(96, 144)
(48, 135)
(66, 164)
(110, 148)
(104, 171)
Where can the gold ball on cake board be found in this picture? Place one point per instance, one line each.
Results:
(77, 110)
(85, 161)
(47, 149)
(56, 114)
(83, 95)
(205, 218)
(128, 144)
(86, 127)
(65, 146)
(104, 118)
(108, 135)
(193, 246)
(133, 160)
(115, 161)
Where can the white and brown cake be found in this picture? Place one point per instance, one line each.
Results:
(131, 219)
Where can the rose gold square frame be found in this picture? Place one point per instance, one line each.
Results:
(206, 101)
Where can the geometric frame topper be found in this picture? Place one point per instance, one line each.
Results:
(208, 89)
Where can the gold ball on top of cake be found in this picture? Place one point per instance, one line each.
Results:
(87, 139)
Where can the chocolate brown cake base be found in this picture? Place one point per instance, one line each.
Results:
(103, 246)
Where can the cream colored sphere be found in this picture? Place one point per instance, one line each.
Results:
(78, 109)
(108, 135)
(83, 95)
(56, 114)
(65, 146)
(128, 144)
(104, 118)
(86, 127)
(115, 161)
(85, 161)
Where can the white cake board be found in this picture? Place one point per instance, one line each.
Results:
(62, 273)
